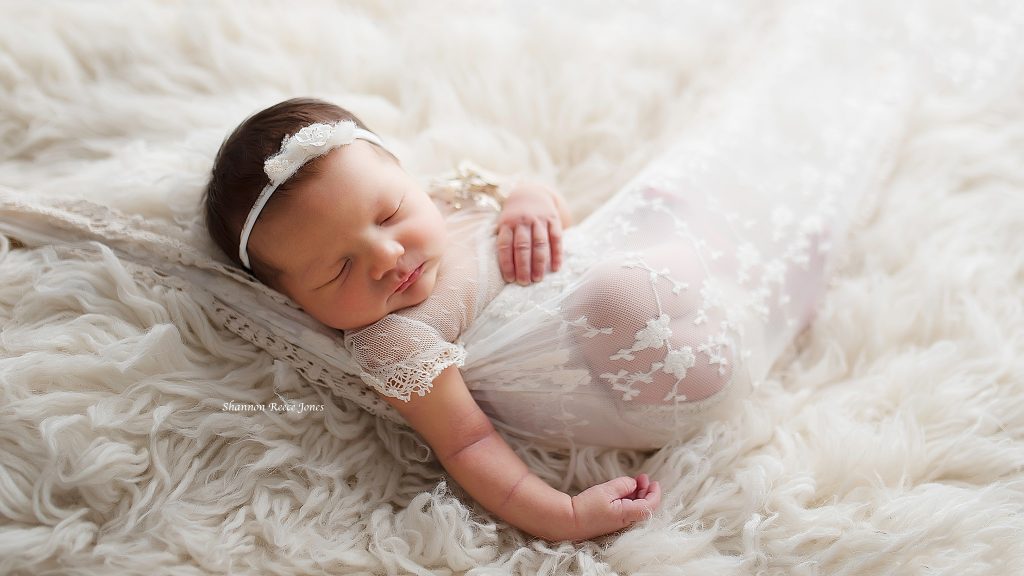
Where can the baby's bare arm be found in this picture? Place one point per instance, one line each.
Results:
(480, 460)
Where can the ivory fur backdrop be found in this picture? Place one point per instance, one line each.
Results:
(888, 440)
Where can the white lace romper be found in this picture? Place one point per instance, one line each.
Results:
(656, 314)
(680, 291)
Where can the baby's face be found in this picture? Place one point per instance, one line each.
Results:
(359, 241)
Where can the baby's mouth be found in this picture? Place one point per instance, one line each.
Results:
(410, 279)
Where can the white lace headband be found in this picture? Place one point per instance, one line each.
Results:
(306, 144)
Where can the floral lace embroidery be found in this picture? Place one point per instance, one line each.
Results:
(401, 356)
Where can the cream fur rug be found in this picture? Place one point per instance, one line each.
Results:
(890, 442)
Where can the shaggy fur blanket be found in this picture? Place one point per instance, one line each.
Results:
(889, 440)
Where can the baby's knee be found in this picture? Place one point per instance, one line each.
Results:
(615, 295)
(648, 336)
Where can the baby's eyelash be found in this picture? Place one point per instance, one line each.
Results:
(400, 202)
(338, 275)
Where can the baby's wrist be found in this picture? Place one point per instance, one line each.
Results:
(560, 525)
(540, 510)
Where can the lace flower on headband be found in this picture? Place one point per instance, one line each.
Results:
(306, 144)
(296, 150)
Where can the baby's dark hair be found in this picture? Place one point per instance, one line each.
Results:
(238, 177)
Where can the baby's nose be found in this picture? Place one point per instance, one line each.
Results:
(387, 259)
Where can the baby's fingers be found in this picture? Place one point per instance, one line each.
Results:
(643, 483)
(653, 496)
(541, 250)
(637, 510)
(643, 508)
(555, 237)
(506, 260)
(523, 250)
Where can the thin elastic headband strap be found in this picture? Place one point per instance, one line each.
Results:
(308, 143)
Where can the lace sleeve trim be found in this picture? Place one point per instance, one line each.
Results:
(398, 369)
(417, 376)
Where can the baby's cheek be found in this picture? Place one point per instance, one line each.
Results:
(330, 308)
(429, 281)
(436, 235)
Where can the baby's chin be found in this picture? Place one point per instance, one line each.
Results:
(345, 323)
(354, 324)
(349, 326)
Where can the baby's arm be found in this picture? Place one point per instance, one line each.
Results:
(480, 461)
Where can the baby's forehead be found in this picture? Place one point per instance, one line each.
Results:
(326, 199)
(351, 178)
(331, 181)
(353, 166)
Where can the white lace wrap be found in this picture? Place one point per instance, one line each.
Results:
(161, 254)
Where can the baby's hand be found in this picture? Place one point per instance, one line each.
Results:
(614, 505)
(529, 234)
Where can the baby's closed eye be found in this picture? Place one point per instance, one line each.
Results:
(395, 213)
(344, 268)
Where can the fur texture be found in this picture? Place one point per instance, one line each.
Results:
(889, 441)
